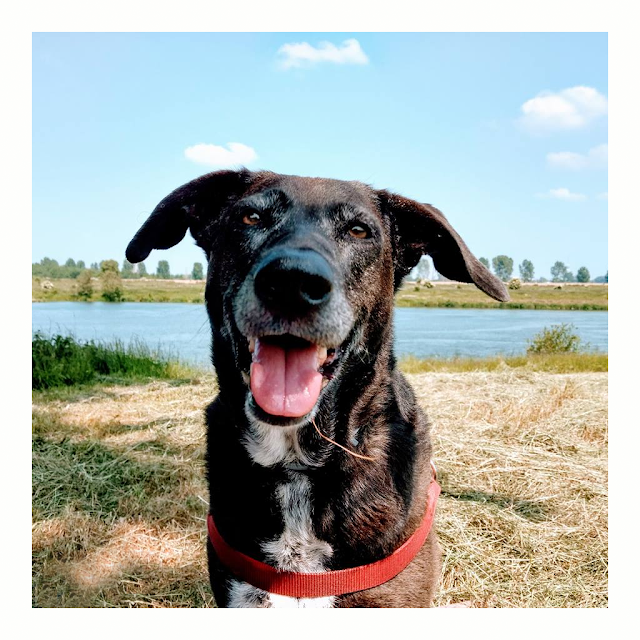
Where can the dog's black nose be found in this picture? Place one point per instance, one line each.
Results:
(293, 281)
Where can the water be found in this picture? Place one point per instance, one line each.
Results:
(488, 332)
(183, 329)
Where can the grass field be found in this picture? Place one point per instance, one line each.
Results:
(134, 290)
(119, 500)
(589, 297)
(443, 294)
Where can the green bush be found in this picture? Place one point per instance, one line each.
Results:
(84, 286)
(111, 281)
(111, 287)
(558, 338)
(515, 283)
(62, 361)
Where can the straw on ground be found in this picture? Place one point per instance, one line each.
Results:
(120, 495)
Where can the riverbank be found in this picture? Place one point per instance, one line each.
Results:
(120, 499)
(532, 295)
(549, 296)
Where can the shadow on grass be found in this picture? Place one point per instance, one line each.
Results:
(531, 510)
(100, 388)
(148, 583)
(104, 481)
(47, 425)
(116, 524)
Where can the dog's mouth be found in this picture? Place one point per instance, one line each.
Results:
(288, 373)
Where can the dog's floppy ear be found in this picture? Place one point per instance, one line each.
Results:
(190, 206)
(421, 228)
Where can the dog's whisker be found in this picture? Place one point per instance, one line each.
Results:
(328, 439)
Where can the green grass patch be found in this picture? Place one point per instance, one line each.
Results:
(549, 363)
(93, 478)
(532, 306)
(59, 361)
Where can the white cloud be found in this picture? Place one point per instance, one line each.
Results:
(594, 158)
(217, 156)
(603, 196)
(571, 108)
(562, 193)
(300, 54)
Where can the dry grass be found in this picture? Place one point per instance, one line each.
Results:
(586, 297)
(133, 290)
(119, 491)
(523, 462)
(443, 294)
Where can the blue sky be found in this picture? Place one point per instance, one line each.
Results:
(505, 133)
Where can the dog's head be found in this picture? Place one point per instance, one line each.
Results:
(301, 276)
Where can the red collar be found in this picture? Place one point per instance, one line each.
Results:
(327, 583)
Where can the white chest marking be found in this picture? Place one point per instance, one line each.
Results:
(296, 549)
(268, 445)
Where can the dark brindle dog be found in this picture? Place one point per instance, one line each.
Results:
(300, 286)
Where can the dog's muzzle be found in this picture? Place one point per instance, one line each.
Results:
(293, 282)
(295, 316)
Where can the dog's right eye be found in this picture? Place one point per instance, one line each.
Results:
(360, 231)
(251, 218)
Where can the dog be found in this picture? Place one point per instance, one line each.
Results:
(318, 455)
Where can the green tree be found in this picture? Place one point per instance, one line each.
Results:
(111, 282)
(127, 269)
(485, 262)
(503, 267)
(80, 264)
(109, 266)
(163, 270)
(583, 275)
(70, 269)
(48, 268)
(526, 270)
(559, 272)
(49, 263)
(84, 286)
(142, 269)
(197, 272)
(95, 266)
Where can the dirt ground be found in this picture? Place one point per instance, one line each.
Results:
(119, 491)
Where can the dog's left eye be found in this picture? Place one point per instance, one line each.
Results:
(360, 231)
(251, 218)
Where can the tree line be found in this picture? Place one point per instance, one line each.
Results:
(502, 267)
(49, 268)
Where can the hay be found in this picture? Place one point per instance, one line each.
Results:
(523, 464)
(521, 456)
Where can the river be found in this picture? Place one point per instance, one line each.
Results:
(183, 329)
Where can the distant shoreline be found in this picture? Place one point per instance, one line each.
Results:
(548, 296)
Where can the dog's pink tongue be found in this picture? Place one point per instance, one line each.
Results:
(285, 382)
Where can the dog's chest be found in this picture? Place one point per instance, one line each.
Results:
(297, 548)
